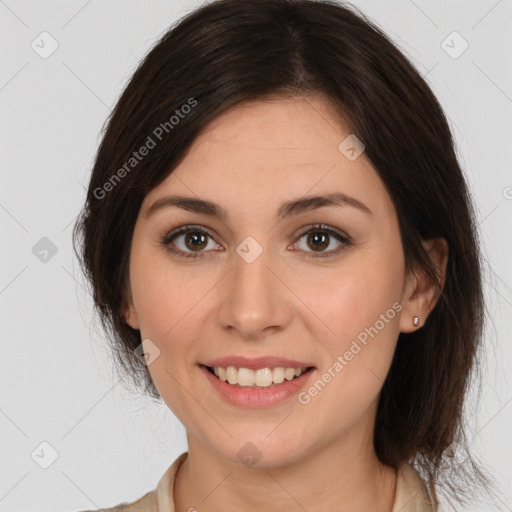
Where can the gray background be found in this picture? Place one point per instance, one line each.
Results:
(57, 380)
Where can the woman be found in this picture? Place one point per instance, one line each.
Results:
(282, 246)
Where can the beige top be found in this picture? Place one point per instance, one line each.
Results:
(410, 493)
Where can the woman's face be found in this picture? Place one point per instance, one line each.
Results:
(264, 282)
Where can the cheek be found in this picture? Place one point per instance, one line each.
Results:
(352, 297)
(163, 293)
(359, 308)
(164, 302)
(356, 361)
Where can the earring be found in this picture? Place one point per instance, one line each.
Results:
(415, 320)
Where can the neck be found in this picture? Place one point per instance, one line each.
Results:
(346, 477)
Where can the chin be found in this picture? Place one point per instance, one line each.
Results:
(254, 447)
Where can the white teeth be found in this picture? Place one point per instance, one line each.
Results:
(278, 375)
(289, 373)
(262, 377)
(245, 377)
(232, 374)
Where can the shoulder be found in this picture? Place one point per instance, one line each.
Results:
(148, 503)
(411, 494)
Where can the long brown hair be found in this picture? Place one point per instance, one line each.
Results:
(231, 51)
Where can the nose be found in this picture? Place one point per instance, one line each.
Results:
(255, 302)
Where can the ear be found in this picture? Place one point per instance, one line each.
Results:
(421, 293)
(128, 309)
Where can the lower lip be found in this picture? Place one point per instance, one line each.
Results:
(257, 397)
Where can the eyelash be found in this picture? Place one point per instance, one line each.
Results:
(345, 240)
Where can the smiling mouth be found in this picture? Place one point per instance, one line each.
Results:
(256, 379)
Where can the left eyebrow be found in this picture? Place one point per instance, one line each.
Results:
(287, 209)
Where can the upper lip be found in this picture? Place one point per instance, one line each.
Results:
(257, 362)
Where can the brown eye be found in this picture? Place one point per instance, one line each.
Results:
(192, 242)
(319, 238)
(195, 240)
(187, 241)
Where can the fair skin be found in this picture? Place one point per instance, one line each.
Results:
(317, 456)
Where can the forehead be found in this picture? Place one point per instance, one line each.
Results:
(283, 130)
(262, 153)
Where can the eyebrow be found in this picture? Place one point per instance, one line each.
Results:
(287, 209)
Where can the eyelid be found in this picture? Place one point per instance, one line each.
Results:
(324, 227)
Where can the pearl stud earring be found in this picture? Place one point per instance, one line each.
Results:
(416, 320)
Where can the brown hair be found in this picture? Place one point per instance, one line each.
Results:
(231, 51)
